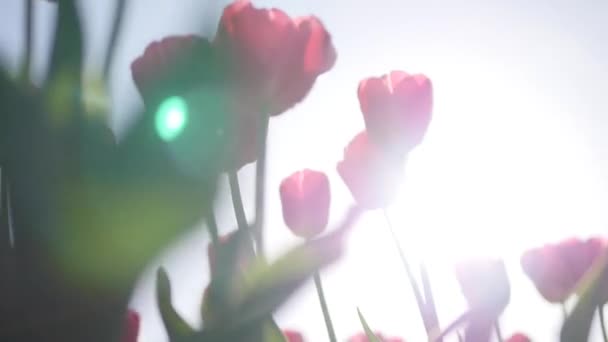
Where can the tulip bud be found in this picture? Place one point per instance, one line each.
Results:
(397, 109)
(305, 197)
(485, 286)
(370, 174)
(131, 331)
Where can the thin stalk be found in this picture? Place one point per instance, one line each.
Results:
(328, 324)
(410, 276)
(119, 14)
(237, 200)
(5, 241)
(212, 227)
(564, 310)
(603, 323)
(452, 326)
(29, 38)
(498, 332)
(260, 185)
(430, 311)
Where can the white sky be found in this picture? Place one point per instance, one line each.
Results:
(515, 156)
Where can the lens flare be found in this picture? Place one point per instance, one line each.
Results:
(171, 118)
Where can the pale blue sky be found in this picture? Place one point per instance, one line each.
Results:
(516, 153)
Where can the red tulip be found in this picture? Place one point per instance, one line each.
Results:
(397, 109)
(293, 336)
(362, 337)
(189, 66)
(485, 286)
(132, 322)
(519, 337)
(174, 66)
(305, 197)
(369, 174)
(275, 59)
(556, 269)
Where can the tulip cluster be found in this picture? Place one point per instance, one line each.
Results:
(265, 62)
(71, 207)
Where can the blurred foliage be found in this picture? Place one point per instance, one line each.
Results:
(87, 213)
(238, 303)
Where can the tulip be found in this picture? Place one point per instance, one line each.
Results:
(556, 269)
(519, 337)
(370, 175)
(293, 336)
(174, 66)
(397, 109)
(274, 59)
(305, 198)
(132, 322)
(485, 286)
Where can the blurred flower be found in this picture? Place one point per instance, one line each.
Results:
(189, 66)
(305, 198)
(370, 175)
(397, 109)
(132, 322)
(485, 286)
(293, 336)
(519, 337)
(174, 66)
(362, 337)
(275, 59)
(556, 269)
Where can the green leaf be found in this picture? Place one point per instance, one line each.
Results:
(176, 326)
(370, 334)
(63, 82)
(267, 287)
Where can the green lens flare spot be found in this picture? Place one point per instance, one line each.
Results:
(171, 118)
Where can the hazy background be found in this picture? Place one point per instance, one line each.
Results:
(515, 156)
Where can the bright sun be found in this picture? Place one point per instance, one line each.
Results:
(496, 183)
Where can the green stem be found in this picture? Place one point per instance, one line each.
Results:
(330, 328)
(5, 244)
(260, 185)
(498, 332)
(29, 34)
(237, 200)
(603, 323)
(452, 326)
(410, 276)
(430, 311)
(564, 310)
(119, 14)
(212, 227)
